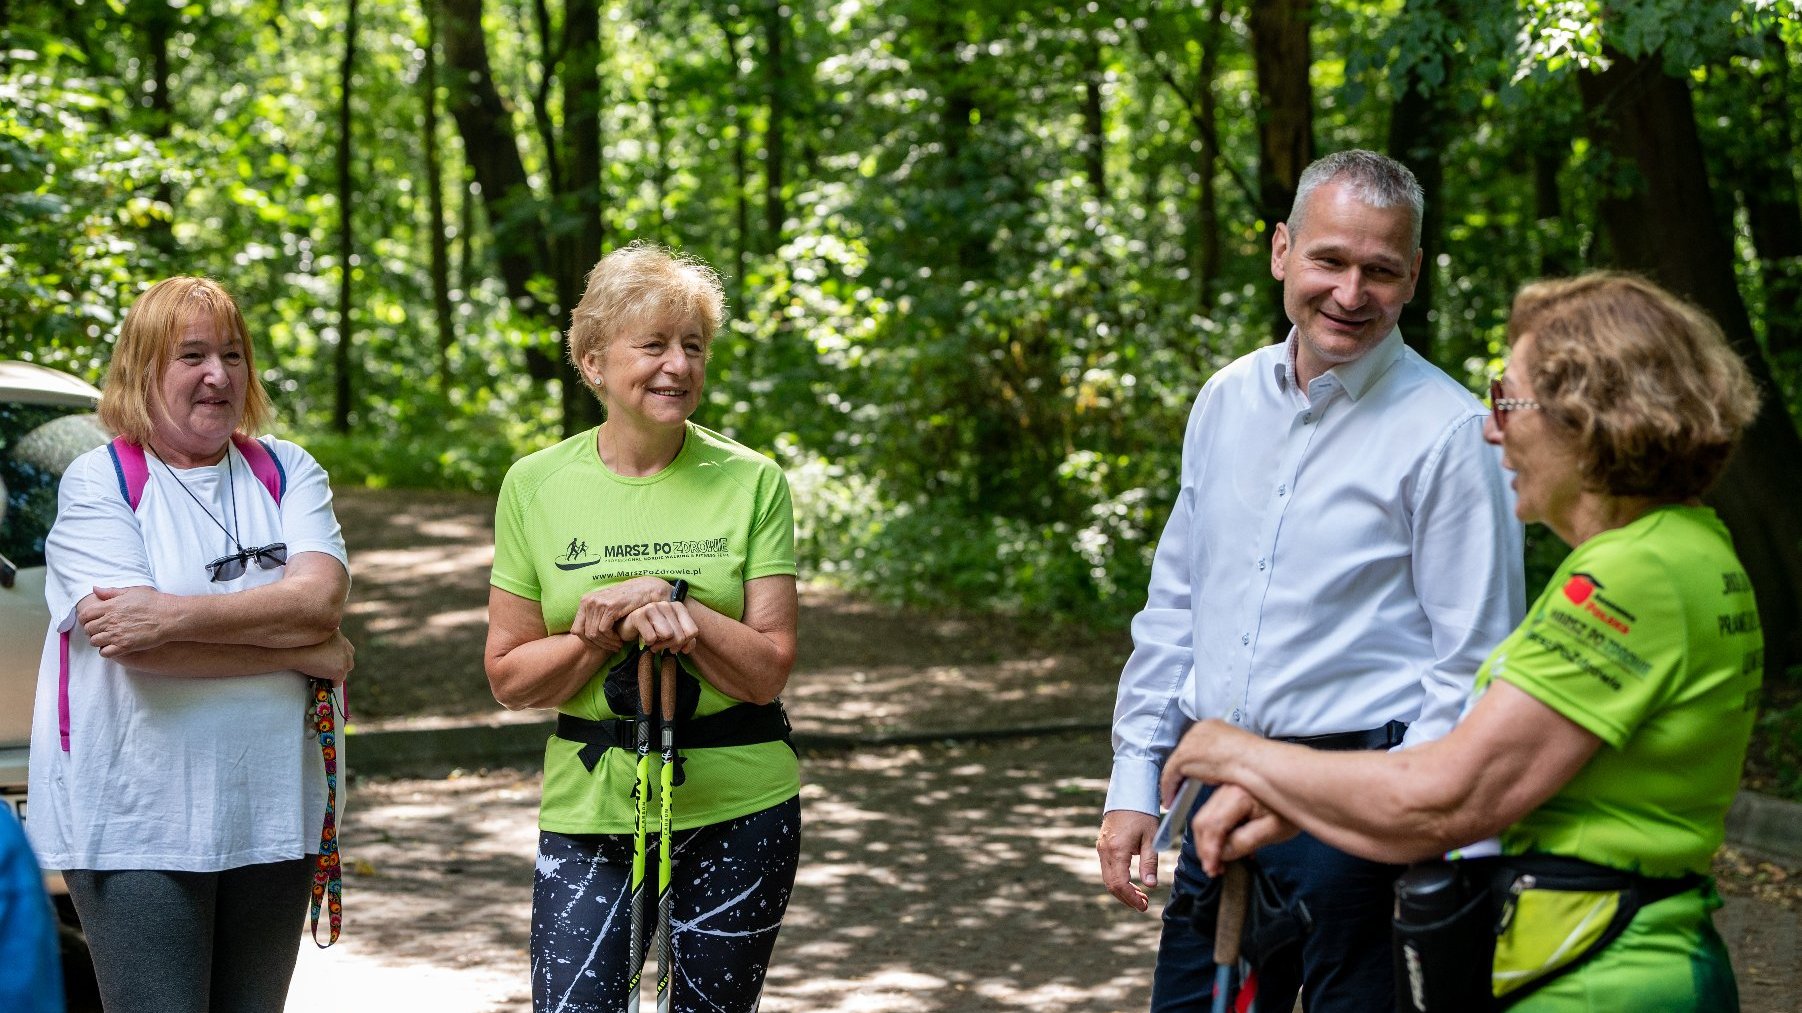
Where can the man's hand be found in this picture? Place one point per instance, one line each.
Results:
(1126, 834)
(1231, 825)
(124, 620)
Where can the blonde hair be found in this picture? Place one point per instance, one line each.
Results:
(637, 281)
(141, 355)
(1646, 382)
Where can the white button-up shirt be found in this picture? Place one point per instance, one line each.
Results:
(1336, 559)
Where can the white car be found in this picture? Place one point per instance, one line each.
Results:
(46, 422)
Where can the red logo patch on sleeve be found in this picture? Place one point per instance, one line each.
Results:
(1579, 587)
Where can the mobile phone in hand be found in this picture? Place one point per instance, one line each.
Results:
(1170, 829)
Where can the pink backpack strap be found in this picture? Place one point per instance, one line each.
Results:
(62, 690)
(131, 468)
(263, 465)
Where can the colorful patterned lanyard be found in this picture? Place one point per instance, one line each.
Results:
(328, 876)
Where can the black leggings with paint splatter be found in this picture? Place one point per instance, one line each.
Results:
(731, 883)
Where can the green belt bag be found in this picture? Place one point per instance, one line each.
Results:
(1524, 919)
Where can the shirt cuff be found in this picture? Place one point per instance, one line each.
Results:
(1134, 785)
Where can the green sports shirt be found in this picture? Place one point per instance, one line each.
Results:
(717, 516)
(1648, 637)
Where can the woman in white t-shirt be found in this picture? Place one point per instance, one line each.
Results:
(183, 747)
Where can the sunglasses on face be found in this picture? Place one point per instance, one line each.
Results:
(1500, 405)
(231, 567)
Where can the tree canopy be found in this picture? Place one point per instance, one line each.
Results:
(980, 256)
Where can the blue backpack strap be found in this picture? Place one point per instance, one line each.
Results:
(131, 468)
(263, 464)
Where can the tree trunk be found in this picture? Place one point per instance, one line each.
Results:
(483, 121)
(341, 360)
(741, 174)
(466, 230)
(442, 312)
(1769, 190)
(157, 28)
(660, 140)
(1094, 133)
(775, 26)
(1279, 37)
(1206, 107)
(1556, 257)
(579, 237)
(1663, 223)
(550, 57)
(1416, 139)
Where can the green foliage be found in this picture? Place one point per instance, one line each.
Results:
(461, 457)
(74, 206)
(973, 345)
(1777, 738)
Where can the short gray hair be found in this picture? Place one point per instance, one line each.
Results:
(1377, 180)
(637, 280)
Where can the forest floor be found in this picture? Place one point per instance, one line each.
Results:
(939, 876)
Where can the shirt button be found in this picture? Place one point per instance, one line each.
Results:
(1245, 638)
(1236, 715)
(1260, 564)
(1282, 490)
(1307, 417)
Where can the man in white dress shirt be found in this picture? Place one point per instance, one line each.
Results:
(1341, 557)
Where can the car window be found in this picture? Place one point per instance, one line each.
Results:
(37, 444)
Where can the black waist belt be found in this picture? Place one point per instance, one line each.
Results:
(1564, 872)
(1388, 736)
(739, 725)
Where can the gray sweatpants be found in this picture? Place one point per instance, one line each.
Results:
(194, 942)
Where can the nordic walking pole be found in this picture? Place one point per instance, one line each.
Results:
(1227, 927)
(641, 804)
(667, 961)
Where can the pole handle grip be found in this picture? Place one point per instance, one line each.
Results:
(1234, 886)
(668, 678)
(647, 697)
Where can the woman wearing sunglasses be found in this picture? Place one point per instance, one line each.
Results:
(1605, 735)
(195, 579)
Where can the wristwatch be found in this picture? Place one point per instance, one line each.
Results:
(678, 590)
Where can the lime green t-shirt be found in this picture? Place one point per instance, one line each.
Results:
(718, 516)
(1648, 637)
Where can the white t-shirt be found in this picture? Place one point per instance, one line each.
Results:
(162, 772)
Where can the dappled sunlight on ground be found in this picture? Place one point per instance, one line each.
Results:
(419, 612)
(975, 868)
(942, 879)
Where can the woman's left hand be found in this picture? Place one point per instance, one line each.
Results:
(1202, 754)
(123, 620)
(661, 626)
(1233, 824)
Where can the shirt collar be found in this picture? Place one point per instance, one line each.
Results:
(1357, 376)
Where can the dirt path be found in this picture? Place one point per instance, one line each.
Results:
(937, 879)
(932, 879)
(418, 615)
(944, 877)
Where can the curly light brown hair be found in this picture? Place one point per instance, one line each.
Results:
(129, 400)
(637, 281)
(1644, 381)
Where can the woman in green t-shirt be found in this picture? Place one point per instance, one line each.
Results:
(650, 533)
(1609, 729)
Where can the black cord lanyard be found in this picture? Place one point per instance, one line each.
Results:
(231, 491)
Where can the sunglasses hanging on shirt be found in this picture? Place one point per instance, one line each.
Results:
(232, 565)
